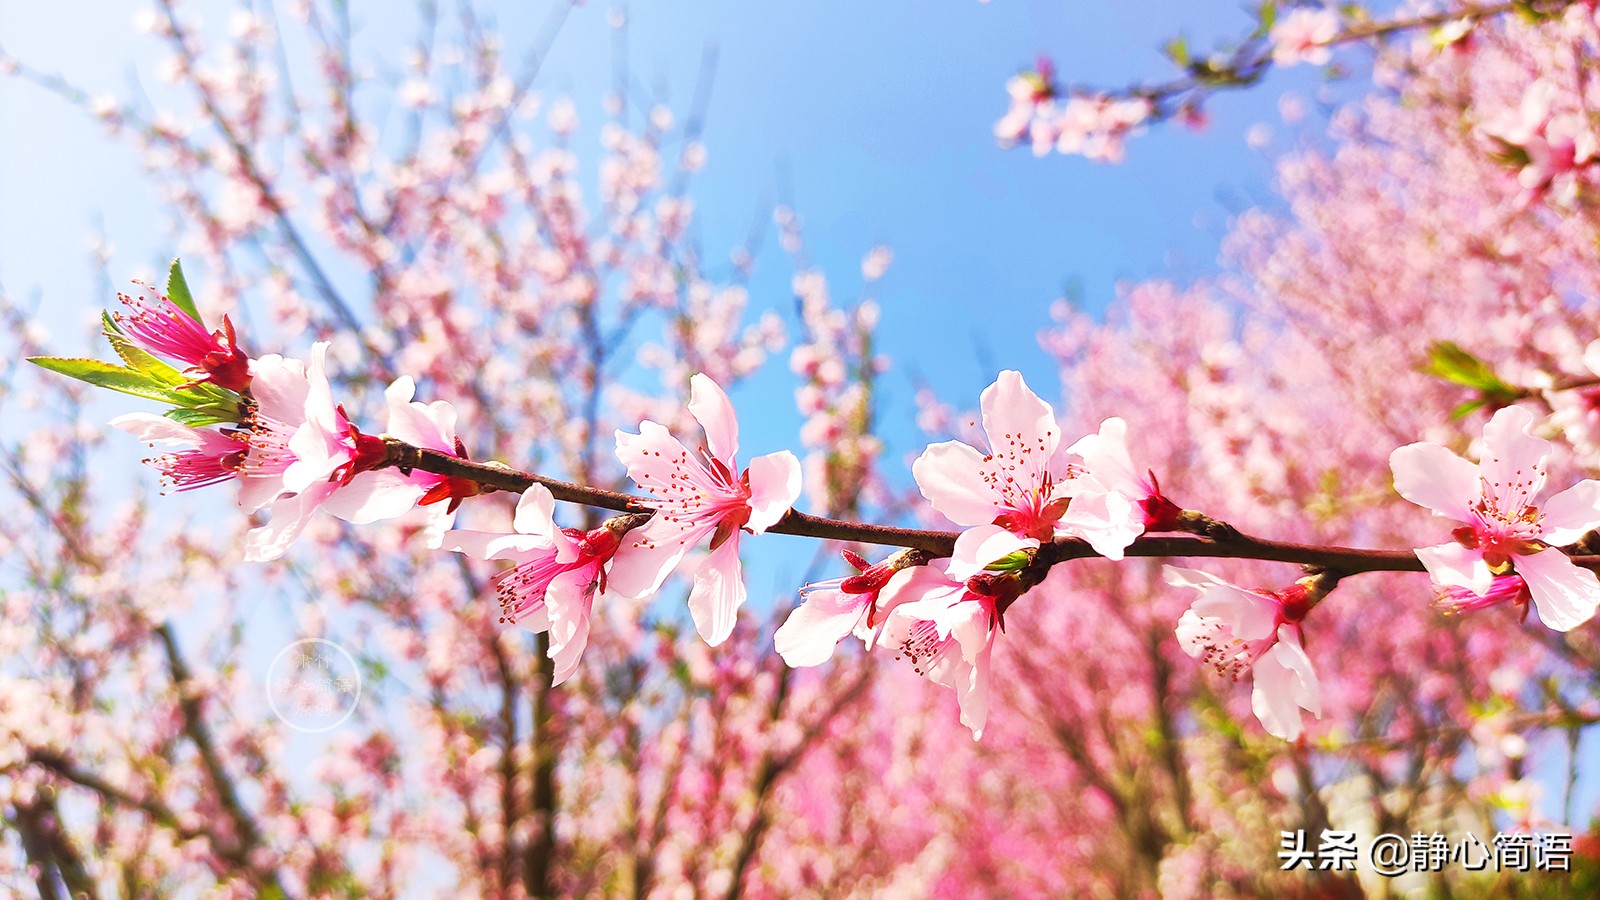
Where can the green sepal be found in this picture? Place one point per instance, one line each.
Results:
(1015, 561)
(178, 292)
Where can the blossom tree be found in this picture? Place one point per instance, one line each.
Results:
(1035, 691)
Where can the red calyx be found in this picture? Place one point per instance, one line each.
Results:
(228, 367)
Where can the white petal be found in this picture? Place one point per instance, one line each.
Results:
(1452, 565)
(1284, 681)
(1572, 513)
(1565, 593)
(1433, 477)
(536, 515)
(815, 627)
(648, 555)
(1011, 408)
(289, 517)
(1107, 520)
(374, 496)
(1510, 452)
(493, 544)
(711, 408)
(279, 388)
(422, 425)
(567, 604)
(950, 475)
(718, 592)
(774, 487)
(153, 429)
(1105, 455)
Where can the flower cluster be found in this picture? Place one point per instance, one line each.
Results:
(1024, 500)
(1090, 125)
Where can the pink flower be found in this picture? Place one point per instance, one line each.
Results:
(161, 327)
(944, 616)
(1239, 631)
(833, 609)
(1303, 36)
(1505, 589)
(277, 408)
(213, 455)
(559, 573)
(385, 493)
(1023, 483)
(1553, 146)
(1506, 531)
(1105, 459)
(694, 500)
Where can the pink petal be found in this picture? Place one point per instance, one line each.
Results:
(812, 631)
(257, 491)
(649, 554)
(1453, 565)
(373, 496)
(430, 425)
(1248, 615)
(149, 428)
(279, 387)
(651, 455)
(774, 487)
(977, 547)
(1105, 455)
(1510, 452)
(536, 515)
(1284, 684)
(316, 456)
(493, 544)
(950, 475)
(567, 604)
(1107, 520)
(1433, 477)
(1010, 408)
(1572, 513)
(914, 586)
(320, 408)
(718, 592)
(712, 409)
(1565, 593)
(289, 517)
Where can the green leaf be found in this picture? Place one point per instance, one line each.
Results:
(178, 291)
(1269, 16)
(1177, 50)
(106, 375)
(1465, 409)
(1446, 360)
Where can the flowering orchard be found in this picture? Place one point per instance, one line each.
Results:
(1308, 545)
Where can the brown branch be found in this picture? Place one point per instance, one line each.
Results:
(1214, 540)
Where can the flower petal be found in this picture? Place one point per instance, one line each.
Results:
(1013, 412)
(1565, 593)
(493, 544)
(1107, 520)
(1248, 615)
(1431, 476)
(289, 517)
(1452, 565)
(1510, 453)
(568, 602)
(950, 475)
(374, 495)
(150, 428)
(649, 554)
(814, 628)
(279, 387)
(1572, 513)
(1105, 455)
(718, 592)
(774, 487)
(431, 425)
(1284, 683)
(536, 515)
(711, 408)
